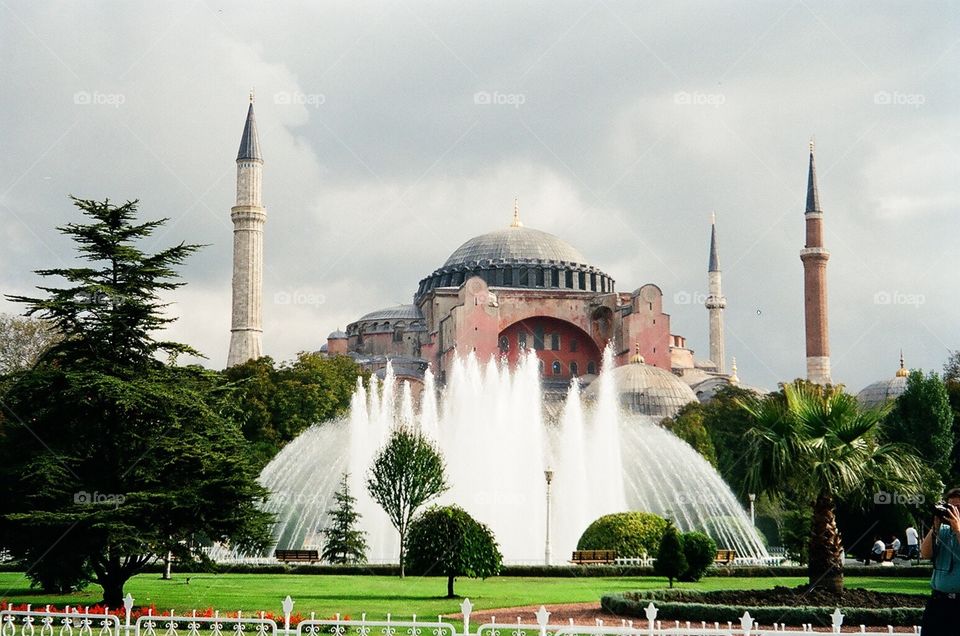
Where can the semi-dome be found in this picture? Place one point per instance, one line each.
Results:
(647, 389)
(518, 256)
(519, 243)
(883, 390)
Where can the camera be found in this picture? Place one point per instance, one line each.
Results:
(942, 509)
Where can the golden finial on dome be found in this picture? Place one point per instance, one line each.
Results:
(811, 144)
(252, 95)
(636, 358)
(902, 371)
(516, 213)
(733, 371)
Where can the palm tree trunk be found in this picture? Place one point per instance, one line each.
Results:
(826, 563)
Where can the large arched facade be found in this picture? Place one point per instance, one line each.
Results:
(564, 349)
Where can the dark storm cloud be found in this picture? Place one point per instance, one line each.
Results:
(395, 131)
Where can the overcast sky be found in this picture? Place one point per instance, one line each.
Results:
(394, 131)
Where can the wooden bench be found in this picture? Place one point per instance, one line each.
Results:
(297, 556)
(725, 557)
(593, 557)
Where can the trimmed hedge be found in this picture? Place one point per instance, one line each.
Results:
(635, 604)
(631, 534)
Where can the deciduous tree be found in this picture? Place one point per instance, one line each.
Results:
(406, 474)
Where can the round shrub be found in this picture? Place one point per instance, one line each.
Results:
(700, 551)
(631, 534)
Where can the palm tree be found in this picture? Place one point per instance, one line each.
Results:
(820, 445)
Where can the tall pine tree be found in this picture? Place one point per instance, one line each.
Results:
(110, 455)
(344, 542)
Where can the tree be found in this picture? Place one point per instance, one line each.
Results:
(688, 425)
(406, 473)
(344, 542)
(922, 418)
(817, 444)
(725, 421)
(448, 541)
(111, 455)
(276, 403)
(22, 341)
(699, 551)
(671, 561)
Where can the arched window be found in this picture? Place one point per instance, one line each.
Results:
(540, 277)
(574, 369)
(398, 333)
(592, 368)
(556, 367)
(504, 344)
(522, 340)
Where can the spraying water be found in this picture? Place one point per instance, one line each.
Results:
(489, 425)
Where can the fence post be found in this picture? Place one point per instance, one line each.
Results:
(465, 608)
(287, 606)
(651, 613)
(836, 620)
(543, 617)
(746, 623)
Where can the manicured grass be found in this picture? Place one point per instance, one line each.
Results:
(378, 595)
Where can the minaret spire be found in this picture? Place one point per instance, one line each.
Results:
(715, 301)
(248, 216)
(815, 257)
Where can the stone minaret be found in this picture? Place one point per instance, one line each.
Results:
(715, 303)
(814, 257)
(248, 216)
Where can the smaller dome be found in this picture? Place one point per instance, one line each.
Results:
(879, 392)
(337, 335)
(883, 390)
(648, 390)
(398, 312)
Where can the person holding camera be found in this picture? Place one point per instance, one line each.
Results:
(942, 546)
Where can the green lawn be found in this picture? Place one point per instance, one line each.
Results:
(378, 595)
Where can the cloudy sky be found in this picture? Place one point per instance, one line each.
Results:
(394, 131)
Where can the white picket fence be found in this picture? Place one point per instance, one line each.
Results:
(76, 622)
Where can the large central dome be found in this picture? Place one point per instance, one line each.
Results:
(520, 257)
(520, 243)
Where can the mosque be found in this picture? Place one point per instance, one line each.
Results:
(517, 289)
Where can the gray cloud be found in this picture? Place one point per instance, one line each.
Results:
(621, 126)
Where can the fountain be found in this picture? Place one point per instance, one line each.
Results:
(490, 425)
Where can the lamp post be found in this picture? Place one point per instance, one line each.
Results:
(753, 519)
(548, 474)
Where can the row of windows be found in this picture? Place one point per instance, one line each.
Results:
(556, 368)
(526, 277)
(541, 341)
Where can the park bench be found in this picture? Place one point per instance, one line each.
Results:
(725, 557)
(297, 556)
(593, 557)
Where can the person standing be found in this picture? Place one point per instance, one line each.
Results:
(942, 545)
(913, 542)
